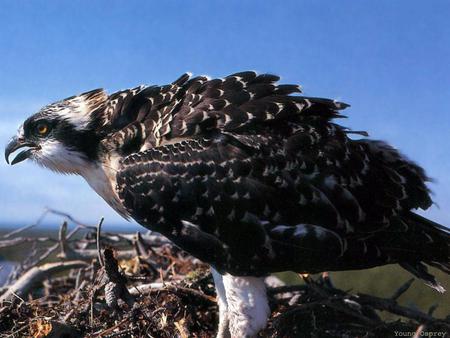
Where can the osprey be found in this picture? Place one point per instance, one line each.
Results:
(247, 175)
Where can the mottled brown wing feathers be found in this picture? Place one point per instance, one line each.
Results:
(264, 175)
(192, 107)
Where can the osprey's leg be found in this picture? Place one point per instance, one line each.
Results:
(248, 307)
(223, 330)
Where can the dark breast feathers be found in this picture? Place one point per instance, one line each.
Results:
(253, 178)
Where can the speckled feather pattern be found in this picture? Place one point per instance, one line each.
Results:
(252, 177)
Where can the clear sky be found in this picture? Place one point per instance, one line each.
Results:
(389, 59)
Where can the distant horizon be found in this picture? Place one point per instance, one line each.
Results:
(6, 226)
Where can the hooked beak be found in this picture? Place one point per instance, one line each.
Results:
(17, 143)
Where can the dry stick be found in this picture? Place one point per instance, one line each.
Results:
(142, 289)
(54, 247)
(112, 328)
(389, 305)
(68, 315)
(63, 240)
(297, 308)
(102, 263)
(330, 301)
(20, 240)
(158, 287)
(82, 254)
(68, 252)
(46, 254)
(392, 306)
(99, 253)
(35, 275)
(93, 297)
(17, 231)
(26, 227)
(70, 218)
(19, 330)
(402, 289)
(139, 246)
(90, 254)
(78, 279)
(79, 290)
(432, 309)
(351, 312)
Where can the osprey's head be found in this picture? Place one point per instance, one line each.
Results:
(61, 136)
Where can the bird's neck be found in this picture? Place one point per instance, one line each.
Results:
(101, 176)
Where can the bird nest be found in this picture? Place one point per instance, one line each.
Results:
(88, 283)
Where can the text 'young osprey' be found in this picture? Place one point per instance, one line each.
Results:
(246, 175)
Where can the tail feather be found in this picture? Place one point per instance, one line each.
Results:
(429, 225)
(434, 250)
(441, 266)
(420, 271)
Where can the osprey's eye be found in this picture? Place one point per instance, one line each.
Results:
(42, 128)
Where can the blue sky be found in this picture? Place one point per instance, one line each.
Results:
(388, 59)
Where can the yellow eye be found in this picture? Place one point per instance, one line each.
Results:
(42, 128)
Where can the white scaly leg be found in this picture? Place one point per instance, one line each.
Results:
(223, 330)
(248, 307)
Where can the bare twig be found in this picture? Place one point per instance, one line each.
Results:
(402, 289)
(70, 218)
(158, 287)
(432, 309)
(35, 275)
(21, 240)
(26, 227)
(392, 306)
(99, 244)
(63, 240)
(110, 330)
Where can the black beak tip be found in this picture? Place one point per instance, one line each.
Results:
(10, 148)
(15, 144)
